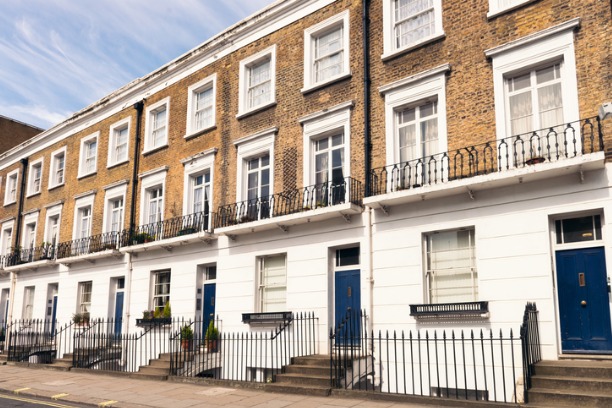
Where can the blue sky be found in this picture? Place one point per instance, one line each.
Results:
(58, 56)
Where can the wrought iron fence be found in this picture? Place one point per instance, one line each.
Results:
(32, 340)
(246, 356)
(461, 365)
(170, 228)
(289, 202)
(546, 145)
(88, 245)
(32, 254)
(530, 341)
(102, 345)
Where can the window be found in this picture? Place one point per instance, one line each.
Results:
(116, 215)
(6, 239)
(35, 179)
(118, 142)
(89, 155)
(200, 193)
(329, 169)
(257, 81)
(28, 302)
(52, 225)
(273, 283)
(114, 209)
(535, 84)
(535, 100)
(497, 7)
(10, 192)
(197, 197)
(156, 135)
(409, 23)
(579, 229)
(83, 210)
(326, 51)
(451, 266)
(152, 196)
(161, 289)
(415, 121)
(155, 203)
(255, 173)
(84, 222)
(29, 236)
(201, 105)
(84, 306)
(56, 170)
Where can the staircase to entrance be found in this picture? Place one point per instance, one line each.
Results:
(572, 383)
(305, 375)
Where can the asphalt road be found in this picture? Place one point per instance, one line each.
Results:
(11, 401)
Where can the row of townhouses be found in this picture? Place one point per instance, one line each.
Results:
(421, 165)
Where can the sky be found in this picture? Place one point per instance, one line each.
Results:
(59, 56)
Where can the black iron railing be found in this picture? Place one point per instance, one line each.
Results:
(245, 356)
(32, 340)
(463, 365)
(450, 309)
(88, 245)
(530, 341)
(32, 254)
(290, 202)
(170, 228)
(546, 145)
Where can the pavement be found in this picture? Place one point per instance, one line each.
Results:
(94, 389)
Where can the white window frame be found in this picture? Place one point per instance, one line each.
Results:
(390, 49)
(497, 7)
(245, 65)
(54, 169)
(554, 44)
(83, 158)
(411, 91)
(249, 147)
(194, 167)
(475, 285)
(12, 184)
(150, 112)
(149, 181)
(30, 230)
(208, 83)
(113, 135)
(155, 284)
(80, 204)
(262, 285)
(6, 240)
(52, 213)
(84, 303)
(29, 293)
(35, 185)
(310, 37)
(112, 194)
(335, 120)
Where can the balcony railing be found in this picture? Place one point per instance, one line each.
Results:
(170, 228)
(32, 254)
(290, 202)
(546, 145)
(88, 245)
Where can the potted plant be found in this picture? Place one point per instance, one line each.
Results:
(212, 335)
(186, 337)
(80, 319)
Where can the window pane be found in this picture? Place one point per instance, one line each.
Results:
(347, 256)
(580, 229)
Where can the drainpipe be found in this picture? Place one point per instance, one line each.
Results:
(366, 93)
(24, 171)
(370, 265)
(139, 107)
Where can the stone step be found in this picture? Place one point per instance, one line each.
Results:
(152, 377)
(154, 370)
(307, 370)
(595, 385)
(575, 368)
(159, 364)
(569, 398)
(299, 379)
(298, 389)
(316, 360)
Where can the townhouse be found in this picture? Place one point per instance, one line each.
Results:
(433, 163)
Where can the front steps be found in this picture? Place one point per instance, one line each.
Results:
(158, 369)
(572, 383)
(306, 375)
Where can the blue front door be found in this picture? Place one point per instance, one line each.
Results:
(208, 313)
(584, 301)
(53, 314)
(348, 306)
(118, 312)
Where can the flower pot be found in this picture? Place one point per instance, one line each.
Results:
(211, 345)
(185, 344)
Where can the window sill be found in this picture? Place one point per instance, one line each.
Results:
(396, 53)
(110, 166)
(9, 203)
(498, 12)
(255, 110)
(199, 132)
(154, 149)
(461, 310)
(155, 322)
(314, 87)
(82, 176)
(53, 187)
(269, 318)
(30, 195)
